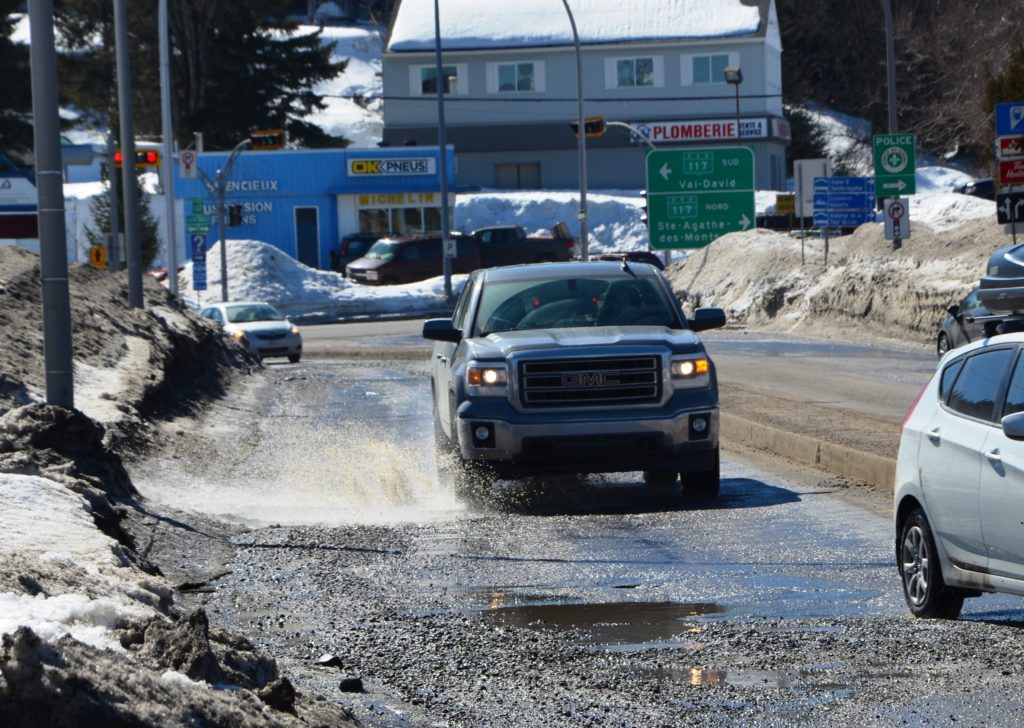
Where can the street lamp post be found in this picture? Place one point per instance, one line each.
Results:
(217, 188)
(584, 237)
(734, 77)
(446, 229)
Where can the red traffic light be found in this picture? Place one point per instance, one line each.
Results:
(143, 158)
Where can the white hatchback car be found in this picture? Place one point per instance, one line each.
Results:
(259, 326)
(959, 496)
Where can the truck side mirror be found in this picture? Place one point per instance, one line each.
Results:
(709, 317)
(441, 330)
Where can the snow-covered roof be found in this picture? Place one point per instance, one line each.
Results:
(470, 24)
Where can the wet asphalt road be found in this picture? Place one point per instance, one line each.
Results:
(592, 605)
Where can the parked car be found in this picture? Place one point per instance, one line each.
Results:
(407, 259)
(570, 368)
(633, 256)
(984, 187)
(959, 495)
(258, 325)
(352, 247)
(961, 326)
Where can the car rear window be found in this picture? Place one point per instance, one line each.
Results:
(976, 389)
(948, 377)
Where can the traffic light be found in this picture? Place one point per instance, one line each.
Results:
(593, 126)
(643, 210)
(143, 158)
(234, 215)
(268, 139)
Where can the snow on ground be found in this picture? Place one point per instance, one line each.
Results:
(45, 521)
(542, 22)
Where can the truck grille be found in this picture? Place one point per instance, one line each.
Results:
(590, 382)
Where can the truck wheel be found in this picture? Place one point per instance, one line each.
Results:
(702, 485)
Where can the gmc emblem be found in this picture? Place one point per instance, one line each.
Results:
(588, 379)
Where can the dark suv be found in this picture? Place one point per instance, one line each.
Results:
(408, 259)
(352, 247)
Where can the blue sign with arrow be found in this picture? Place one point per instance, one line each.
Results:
(843, 201)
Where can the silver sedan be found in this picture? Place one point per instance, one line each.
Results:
(258, 325)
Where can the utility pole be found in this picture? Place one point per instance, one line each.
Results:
(890, 68)
(446, 230)
(53, 258)
(133, 248)
(167, 131)
(582, 144)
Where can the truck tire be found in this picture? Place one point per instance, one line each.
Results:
(702, 485)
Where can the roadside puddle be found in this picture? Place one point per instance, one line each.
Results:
(614, 626)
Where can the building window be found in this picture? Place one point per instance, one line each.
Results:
(646, 72)
(516, 77)
(710, 69)
(428, 80)
(634, 72)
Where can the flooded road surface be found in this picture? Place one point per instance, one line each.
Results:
(589, 603)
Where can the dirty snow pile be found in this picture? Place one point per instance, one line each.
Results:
(90, 631)
(779, 281)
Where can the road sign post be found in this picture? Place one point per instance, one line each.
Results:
(897, 219)
(895, 157)
(199, 262)
(187, 164)
(695, 196)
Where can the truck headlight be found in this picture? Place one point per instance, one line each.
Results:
(486, 380)
(690, 371)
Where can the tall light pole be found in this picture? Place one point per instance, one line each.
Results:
(446, 242)
(734, 77)
(133, 248)
(584, 237)
(53, 256)
(168, 135)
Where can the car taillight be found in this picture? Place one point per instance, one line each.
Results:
(913, 406)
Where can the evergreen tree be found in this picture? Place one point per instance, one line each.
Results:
(100, 208)
(16, 99)
(236, 67)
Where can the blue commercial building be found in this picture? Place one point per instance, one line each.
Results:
(304, 201)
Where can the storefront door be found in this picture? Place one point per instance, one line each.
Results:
(307, 236)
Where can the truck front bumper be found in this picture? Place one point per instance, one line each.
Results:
(682, 441)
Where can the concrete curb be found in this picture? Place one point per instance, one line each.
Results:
(832, 458)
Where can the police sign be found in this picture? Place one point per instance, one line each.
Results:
(391, 166)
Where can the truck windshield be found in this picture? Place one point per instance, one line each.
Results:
(573, 302)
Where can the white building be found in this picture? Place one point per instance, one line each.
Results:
(509, 74)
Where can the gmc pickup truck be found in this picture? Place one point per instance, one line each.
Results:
(580, 367)
(509, 244)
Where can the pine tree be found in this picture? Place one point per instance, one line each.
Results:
(99, 206)
(236, 67)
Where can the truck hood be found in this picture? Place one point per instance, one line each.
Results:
(500, 345)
